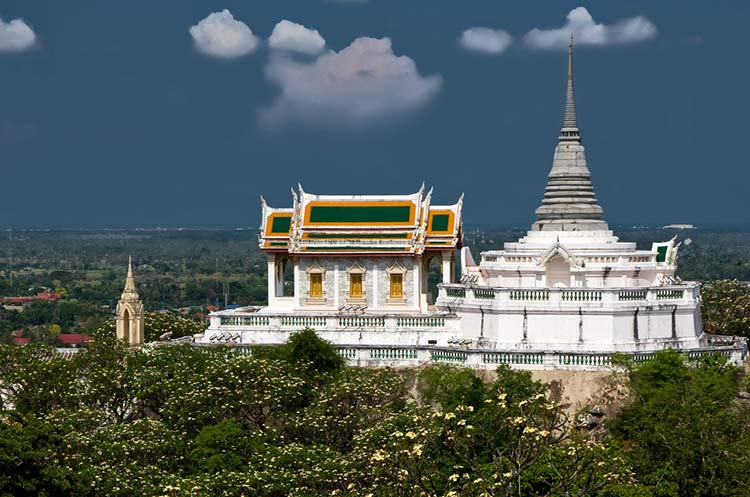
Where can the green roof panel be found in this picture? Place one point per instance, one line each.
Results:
(354, 214)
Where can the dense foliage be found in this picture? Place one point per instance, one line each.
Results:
(182, 420)
(688, 430)
(726, 308)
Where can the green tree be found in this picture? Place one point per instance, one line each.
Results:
(687, 433)
(726, 308)
(448, 386)
(29, 465)
(220, 447)
(307, 352)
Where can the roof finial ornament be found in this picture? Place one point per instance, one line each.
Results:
(570, 122)
(570, 57)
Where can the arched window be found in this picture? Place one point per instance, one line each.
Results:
(396, 284)
(558, 272)
(126, 325)
(316, 277)
(356, 273)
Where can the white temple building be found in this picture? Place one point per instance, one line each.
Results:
(567, 295)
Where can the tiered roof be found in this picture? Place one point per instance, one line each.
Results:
(378, 225)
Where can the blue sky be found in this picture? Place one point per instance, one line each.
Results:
(119, 113)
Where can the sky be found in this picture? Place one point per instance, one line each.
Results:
(149, 113)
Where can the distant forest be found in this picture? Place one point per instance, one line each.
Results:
(191, 269)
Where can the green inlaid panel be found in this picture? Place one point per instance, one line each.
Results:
(661, 253)
(358, 236)
(281, 224)
(439, 222)
(360, 214)
(279, 244)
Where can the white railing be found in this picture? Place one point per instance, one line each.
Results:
(527, 294)
(361, 322)
(237, 322)
(253, 320)
(302, 321)
(484, 293)
(627, 295)
(414, 356)
(513, 358)
(576, 295)
(420, 322)
(568, 296)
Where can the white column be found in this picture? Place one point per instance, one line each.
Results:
(280, 270)
(416, 290)
(447, 266)
(271, 280)
(375, 277)
(336, 285)
(297, 292)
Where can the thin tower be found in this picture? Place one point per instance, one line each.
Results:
(569, 202)
(130, 312)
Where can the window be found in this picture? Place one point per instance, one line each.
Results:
(316, 285)
(355, 285)
(397, 286)
(396, 276)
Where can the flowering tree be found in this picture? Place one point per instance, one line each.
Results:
(192, 421)
(726, 308)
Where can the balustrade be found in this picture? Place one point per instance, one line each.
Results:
(486, 359)
(361, 321)
(604, 295)
(455, 292)
(512, 358)
(484, 293)
(585, 359)
(448, 355)
(420, 321)
(627, 295)
(663, 294)
(540, 294)
(347, 353)
(304, 321)
(245, 320)
(397, 354)
(582, 295)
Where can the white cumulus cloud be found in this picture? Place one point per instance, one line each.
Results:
(363, 82)
(15, 36)
(221, 35)
(487, 40)
(288, 35)
(587, 32)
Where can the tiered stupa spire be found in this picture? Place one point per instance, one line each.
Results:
(570, 122)
(129, 292)
(569, 202)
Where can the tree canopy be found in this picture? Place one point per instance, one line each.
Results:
(180, 420)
